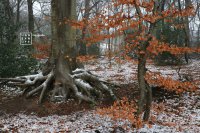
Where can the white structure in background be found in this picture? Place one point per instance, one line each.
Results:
(26, 38)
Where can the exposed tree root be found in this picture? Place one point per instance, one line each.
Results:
(58, 78)
(81, 84)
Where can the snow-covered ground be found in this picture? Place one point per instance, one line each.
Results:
(171, 116)
(177, 115)
(126, 72)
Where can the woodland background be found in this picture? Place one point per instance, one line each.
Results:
(100, 66)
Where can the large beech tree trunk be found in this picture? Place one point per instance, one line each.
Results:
(63, 53)
(62, 32)
(63, 35)
(63, 57)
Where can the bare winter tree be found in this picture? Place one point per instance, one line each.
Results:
(83, 50)
(18, 11)
(186, 28)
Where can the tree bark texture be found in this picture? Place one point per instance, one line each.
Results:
(30, 16)
(83, 48)
(18, 11)
(63, 35)
(144, 103)
(8, 9)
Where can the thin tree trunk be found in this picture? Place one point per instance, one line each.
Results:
(30, 16)
(83, 48)
(144, 103)
(144, 88)
(8, 10)
(109, 40)
(188, 3)
(198, 37)
(198, 32)
(18, 11)
(94, 48)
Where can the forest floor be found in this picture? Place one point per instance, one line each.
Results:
(170, 113)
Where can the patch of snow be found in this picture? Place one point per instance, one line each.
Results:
(80, 122)
(10, 91)
(123, 73)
